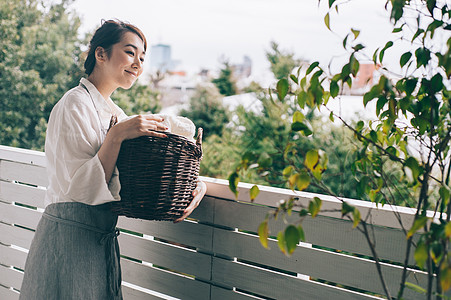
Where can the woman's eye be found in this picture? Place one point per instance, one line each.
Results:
(141, 59)
(130, 52)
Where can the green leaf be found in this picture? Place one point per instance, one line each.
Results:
(423, 56)
(410, 85)
(381, 54)
(419, 31)
(355, 66)
(431, 4)
(311, 67)
(346, 208)
(287, 171)
(311, 158)
(413, 165)
(294, 78)
(398, 29)
(445, 276)
(315, 206)
(359, 126)
(417, 225)
(405, 59)
(444, 194)
(448, 229)
(302, 181)
(301, 233)
(263, 233)
(264, 161)
(281, 242)
(282, 88)
(299, 126)
(355, 32)
(302, 97)
(253, 192)
(331, 2)
(415, 288)
(298, 117)
(345, 41)
(292, 238)
(421, 254)
(334, 89)
(233, 183)
(327, 20)
(331, 116)
(358, 47)
(356, 217)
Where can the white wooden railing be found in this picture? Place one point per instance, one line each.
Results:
(217, 254)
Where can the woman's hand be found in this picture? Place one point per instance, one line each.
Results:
(138, 126)
(132, 128)
(198, 193)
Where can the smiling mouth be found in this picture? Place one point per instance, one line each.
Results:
(131, 73)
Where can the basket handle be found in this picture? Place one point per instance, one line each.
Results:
(199, 136)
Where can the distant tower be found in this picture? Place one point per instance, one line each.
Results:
(160, 58)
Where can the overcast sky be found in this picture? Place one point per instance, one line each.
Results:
(201, 31)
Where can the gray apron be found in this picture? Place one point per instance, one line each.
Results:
(74, 255)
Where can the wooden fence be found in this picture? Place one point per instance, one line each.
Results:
(216, 254)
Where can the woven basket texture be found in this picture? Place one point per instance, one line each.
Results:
(157, 176)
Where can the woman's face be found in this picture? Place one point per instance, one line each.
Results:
(125, 63)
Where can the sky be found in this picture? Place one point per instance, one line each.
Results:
(201, 32)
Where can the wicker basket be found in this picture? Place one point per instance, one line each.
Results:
(157, 176)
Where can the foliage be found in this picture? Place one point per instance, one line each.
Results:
(206, 110)
(225, 82)
(39, 61)
(282, 62)
(403, 153)
(140, 98)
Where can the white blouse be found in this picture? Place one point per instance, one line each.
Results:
(77, 128)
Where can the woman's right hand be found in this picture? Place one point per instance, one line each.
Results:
(141, 125)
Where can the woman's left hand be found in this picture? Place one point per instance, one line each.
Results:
(198, 193)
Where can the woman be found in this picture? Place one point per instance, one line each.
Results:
(74, 254)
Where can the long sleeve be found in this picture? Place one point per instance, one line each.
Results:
(74, 136)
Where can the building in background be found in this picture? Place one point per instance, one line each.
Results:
(161, 59)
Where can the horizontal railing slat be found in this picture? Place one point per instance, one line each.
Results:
(218, 293)
(19, 215)
(21, 155)
(133, 294)
(10, 277)
(25, 173)
(29, 195)
(347, 270)
(165, 255)
(8, 294)
(187, 233)
(322, 231)
(276, 285)
(12, 257)
(164, 282)
(13, 235)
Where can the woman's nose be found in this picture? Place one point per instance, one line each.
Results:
(137, 63)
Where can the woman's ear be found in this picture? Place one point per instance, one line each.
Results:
(100, 54)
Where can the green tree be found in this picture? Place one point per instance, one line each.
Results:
(225, 82)
(282, 62)
(206, 110)
(39, 61)
(140, 98)
(409, 135)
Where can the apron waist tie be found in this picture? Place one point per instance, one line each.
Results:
(109, 239)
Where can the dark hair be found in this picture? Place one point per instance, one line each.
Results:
(108, 34)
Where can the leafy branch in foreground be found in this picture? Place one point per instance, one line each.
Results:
(401, 155)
